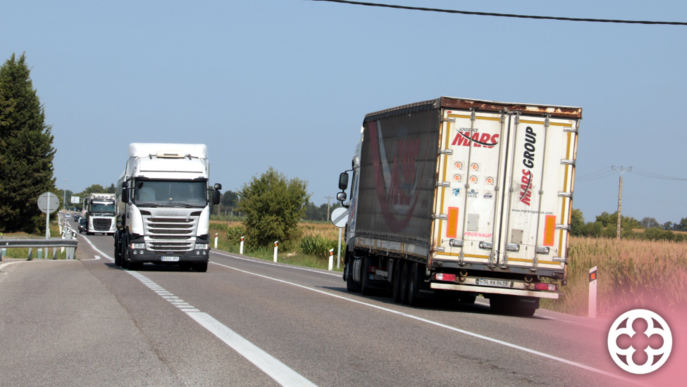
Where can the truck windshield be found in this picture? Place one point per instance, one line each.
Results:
(102, 207)
(155, 193)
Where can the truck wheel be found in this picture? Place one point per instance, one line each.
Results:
(364, 277)
(414, 285)
(351, 286)
(404, 282)
(117, 254)
(396, 282)
(201, 267)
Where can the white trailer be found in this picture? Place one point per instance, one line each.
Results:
(463, 197)
(163, 206)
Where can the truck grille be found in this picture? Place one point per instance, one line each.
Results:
(170, 234)
(102, 224)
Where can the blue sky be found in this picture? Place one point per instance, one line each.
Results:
(286, 83)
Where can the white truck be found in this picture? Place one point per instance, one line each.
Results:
(99, 210)
(163, 206)
(459, 197)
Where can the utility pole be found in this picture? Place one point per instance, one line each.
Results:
(328, 199)
(620, 194)
(64, 195)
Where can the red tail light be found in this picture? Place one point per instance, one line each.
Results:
(445, 277)
(545, 287)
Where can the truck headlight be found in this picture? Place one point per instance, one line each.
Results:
(202, 246)
(138, 246)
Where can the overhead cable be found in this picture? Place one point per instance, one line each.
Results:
(575, 19)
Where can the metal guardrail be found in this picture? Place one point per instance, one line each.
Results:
(69, 244)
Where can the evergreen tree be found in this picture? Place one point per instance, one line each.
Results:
(26, 151)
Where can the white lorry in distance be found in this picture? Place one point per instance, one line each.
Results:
(99, 210)
(163, 206)
(458, 197)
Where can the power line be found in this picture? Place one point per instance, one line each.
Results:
(575, 19)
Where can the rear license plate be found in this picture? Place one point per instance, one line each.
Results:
(493, 282)
(170, 259)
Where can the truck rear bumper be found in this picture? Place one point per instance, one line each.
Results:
(492, 290)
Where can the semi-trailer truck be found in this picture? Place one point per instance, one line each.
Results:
(99, 210)
(457, 197)
(163, 206)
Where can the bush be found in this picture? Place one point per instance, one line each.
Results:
(319, 246)
(235, 233)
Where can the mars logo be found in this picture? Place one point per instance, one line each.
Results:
(479, 139)
(396, 182)
(528, 162)
(640, 341)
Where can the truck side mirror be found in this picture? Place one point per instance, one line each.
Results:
(341, 196)
(218, 186)
(216, 197)
(125, 195)
(343, 181)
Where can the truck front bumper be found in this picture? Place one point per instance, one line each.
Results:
(193, 256)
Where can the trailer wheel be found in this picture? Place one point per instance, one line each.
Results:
(414, 285)
(351, 286)
(364, 277)
(404, 282)
(396, 282)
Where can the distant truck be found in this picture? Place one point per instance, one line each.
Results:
(163, 206)
(99, 211)
(457, 197)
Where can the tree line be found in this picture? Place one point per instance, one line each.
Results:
(606, 224)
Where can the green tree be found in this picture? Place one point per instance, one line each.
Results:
(26, 151)
(577, 223)
(273, 206)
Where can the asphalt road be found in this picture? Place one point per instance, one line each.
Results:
(248, 322)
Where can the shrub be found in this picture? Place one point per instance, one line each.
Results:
(235, 233)
(319, 246)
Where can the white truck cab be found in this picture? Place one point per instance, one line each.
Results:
(163, 206)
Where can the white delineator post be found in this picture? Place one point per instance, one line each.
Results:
(216, 234)
(276, 247)
(241, 248)
(592, 292)
(331, 259)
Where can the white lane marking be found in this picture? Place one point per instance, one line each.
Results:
(277, 370)
(255, 260)
(11, 263)
(477, 335)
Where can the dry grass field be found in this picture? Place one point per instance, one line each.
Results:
(630, 272)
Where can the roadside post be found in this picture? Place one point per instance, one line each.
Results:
(241, 248)
(276, 247)
(331, 259)
(216, 234)
(48, 203)
(339, 218)
(592, 292)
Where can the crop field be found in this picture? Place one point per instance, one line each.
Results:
(630, 272)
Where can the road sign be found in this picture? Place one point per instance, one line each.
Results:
(340, 217)
(48, 201)
(75, 200)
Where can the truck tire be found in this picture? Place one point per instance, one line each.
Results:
(117, 254)
(468, 298)
(351, 286)
(201, 267)
(404, 282)
(364, 277)
(414, 284)
(396, 282)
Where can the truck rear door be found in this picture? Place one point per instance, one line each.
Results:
(503, 195)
